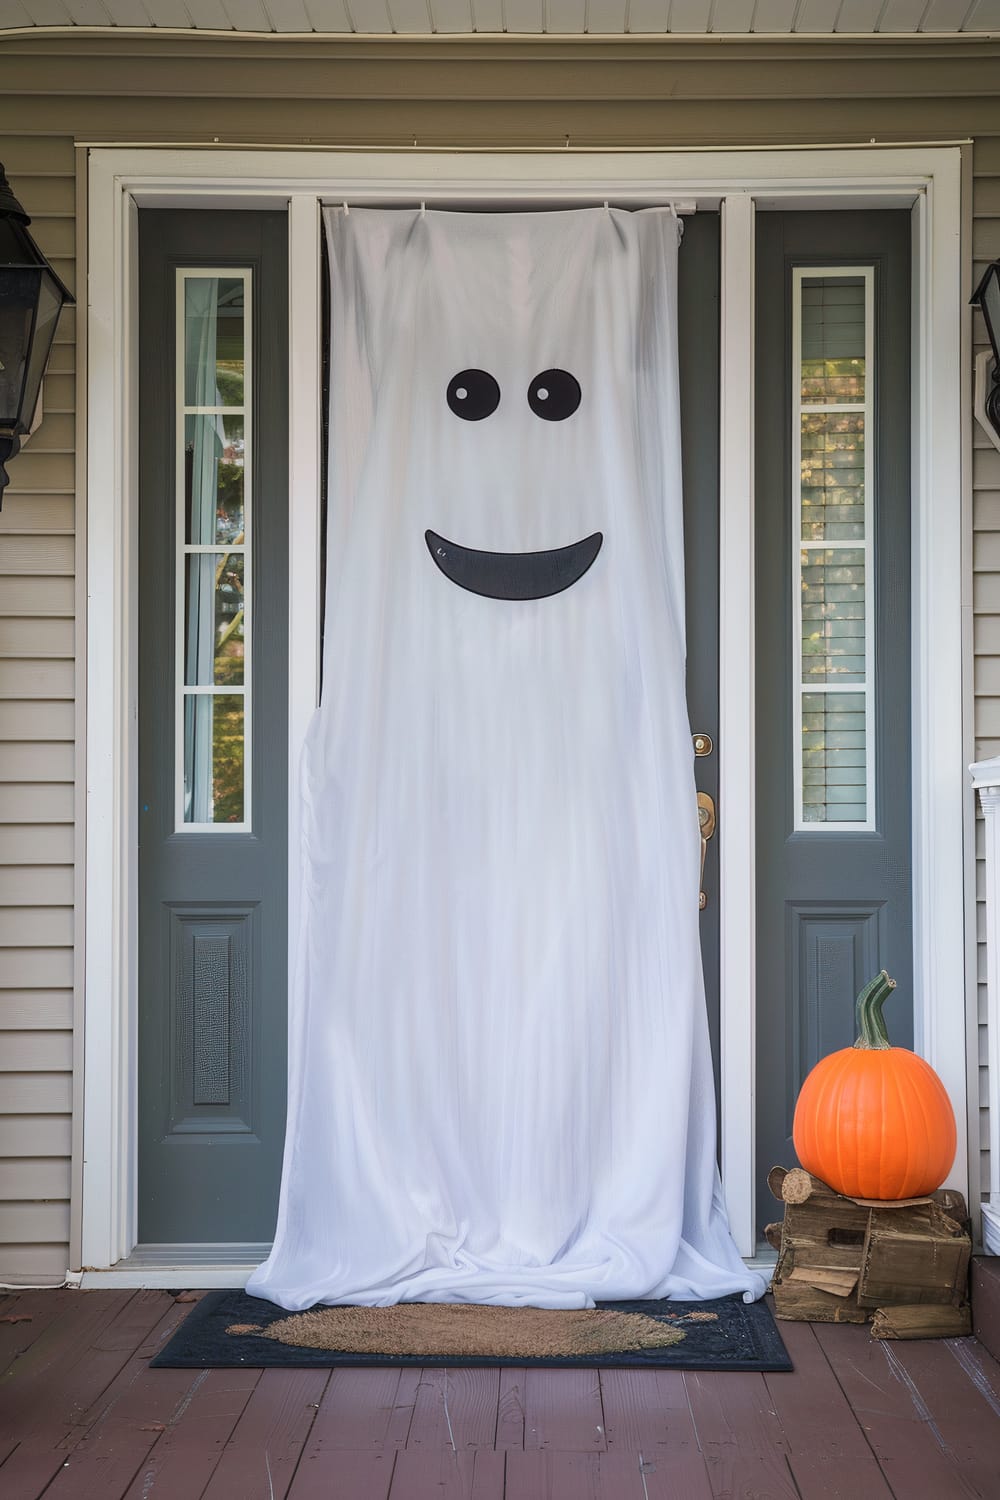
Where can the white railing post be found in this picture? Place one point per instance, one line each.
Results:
(986, 780)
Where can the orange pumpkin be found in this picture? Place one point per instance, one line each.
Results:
(873, 1120)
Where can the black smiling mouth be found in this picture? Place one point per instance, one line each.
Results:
(514, 575)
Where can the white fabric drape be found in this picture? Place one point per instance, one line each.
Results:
(500, 1081)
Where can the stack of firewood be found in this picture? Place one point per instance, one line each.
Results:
(902, 1265)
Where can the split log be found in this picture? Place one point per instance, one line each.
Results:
(798, 1186)
(772, 1233)
(925, 1321)
(775, 1178)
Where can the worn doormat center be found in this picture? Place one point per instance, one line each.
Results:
(229, 1328)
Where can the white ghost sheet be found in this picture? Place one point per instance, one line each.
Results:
(500, 1081)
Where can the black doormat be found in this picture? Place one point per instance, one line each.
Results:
(229, 1329)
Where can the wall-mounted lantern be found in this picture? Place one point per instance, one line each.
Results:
(987, 393)
(31, 299)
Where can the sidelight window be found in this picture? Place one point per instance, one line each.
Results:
(832, 499)
(213, 531)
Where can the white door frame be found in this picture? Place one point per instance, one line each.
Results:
(122, 179)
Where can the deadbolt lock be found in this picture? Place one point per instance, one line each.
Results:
(706, 822)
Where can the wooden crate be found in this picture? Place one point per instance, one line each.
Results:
(845, 1260)
(913, 1256)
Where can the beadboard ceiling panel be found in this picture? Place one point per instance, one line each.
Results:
(811, 18)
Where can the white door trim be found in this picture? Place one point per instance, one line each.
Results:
(746, 181)
(737, 658)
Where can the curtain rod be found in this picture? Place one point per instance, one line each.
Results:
(376, 199)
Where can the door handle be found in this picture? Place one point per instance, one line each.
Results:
(706, 822)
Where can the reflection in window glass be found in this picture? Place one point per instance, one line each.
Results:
(833, 506)
(213, 340)
(214, 620)
(832, 476)
(213, 758)
(832, 360)
(834, 758)
(213, 479)
(214, 582)
(833, 615)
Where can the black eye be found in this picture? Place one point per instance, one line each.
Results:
(554, 395)
(473, 394)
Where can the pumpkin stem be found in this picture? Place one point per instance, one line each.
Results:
(872, 1033)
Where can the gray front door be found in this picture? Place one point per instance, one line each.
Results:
(833, 674)
(213, 613)
(832, 644)
(213, 652)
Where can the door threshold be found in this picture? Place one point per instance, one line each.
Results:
(204, 1266)
(212, 1267)
(764, 1261)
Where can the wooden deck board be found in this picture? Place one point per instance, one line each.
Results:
(510, 1415)
(646, 1409)
(364, 1475)
(829, 1454)
(966, 1422)
(107, 1458)
(120, 1395)
(184, 1457)
(72, 1363)
(982, 1368)
(62, 1344)
(62, 1386)
(543, 1475)
(740, 1435)
(901, 1428)
(265, 1447)
(364, 1409)
(86, 1419)
(455, 1408)
(424, 1475)
(563, 1410)
(647, 1417)
(34, 1311)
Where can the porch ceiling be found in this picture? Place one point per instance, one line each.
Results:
(692, 18)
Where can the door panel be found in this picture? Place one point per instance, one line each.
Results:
(213, 546)
(833, 903)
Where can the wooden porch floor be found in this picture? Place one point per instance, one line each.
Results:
(82, 1416)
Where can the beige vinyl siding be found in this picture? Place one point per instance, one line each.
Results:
(37, 722)
(169, 89)
(599, 92)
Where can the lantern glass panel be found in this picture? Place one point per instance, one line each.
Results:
(18, 295)
(990, 304)
(49, 305)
